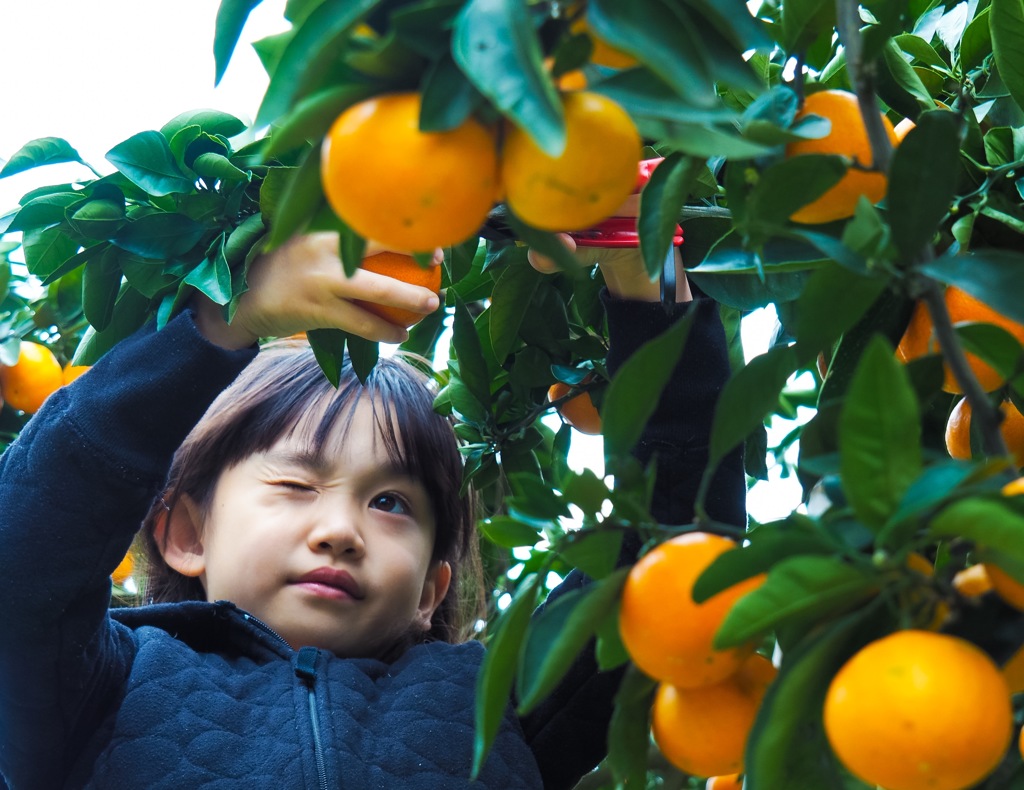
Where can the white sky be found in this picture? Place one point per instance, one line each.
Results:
(96, 73)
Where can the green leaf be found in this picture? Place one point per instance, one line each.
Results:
(448, 96)
(213, 277)
(130, 311)
(833, 301)
(558, 634)
(212, 122)
(629, 733)
(879, 435)
(496, 46)
(42, 151)
(585, 490)
(44, 211)
(363, 354)
(633, 394)
(510, 300)
(991, 275)
(494, 683)
(509, 532)
(1006, 25)
(469, 353)
(976, 43)
(935, 484)
(987, 521)
(791, 183)
(46, 250)
(146, 160)
(747, 398)
(797, 591)
(593, 551)
(231, 18)
(101, 284)
(101, 218)
(671, 183)
(214, 167)
(300, 200)
(921, 189)
(763, 548)
(329, 349)
(803, 21)
(314, 42)
(904, 77)
(787, 745)
(160, 236)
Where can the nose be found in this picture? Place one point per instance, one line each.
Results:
(337, 531)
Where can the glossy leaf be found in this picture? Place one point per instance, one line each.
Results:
(991, 275)
(1006, 24)
(314, 42)
(146, 160)
(211, 122)
(300, 199)
(231, 18)
(159, 235)
(558, 635)
(42, 151)
(509, 532)
(101, 283)
(497, 673)
(329, 349)
(311, 118)
(633, 394)
(629, 731)
(472, 365)
(671, 183)
(510, 300)
(920, 193)
(496, 47)
(879, 435)
(797, 591)
(987, 521)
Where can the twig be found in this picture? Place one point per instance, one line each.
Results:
(862, 79)
(983, 415)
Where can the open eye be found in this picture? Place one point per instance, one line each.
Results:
(391, 503)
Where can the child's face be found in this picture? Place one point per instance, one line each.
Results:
(336, 555)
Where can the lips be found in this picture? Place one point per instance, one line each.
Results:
(331, 582)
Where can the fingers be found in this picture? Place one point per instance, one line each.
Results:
(543, 263)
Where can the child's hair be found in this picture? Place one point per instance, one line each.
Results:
(267, 402)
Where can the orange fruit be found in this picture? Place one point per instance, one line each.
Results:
(72, 372)
(703, 731)
(918, 339)
(848, 138)
(588, 181)
(603, 53)
(1006, 587)
(918, 710)
(667, 634)
(973, 581)
(1013, 672)
(405, 188)
(579, 412)
(404, 268)
(958, 431)
(1014, 488)
(29, 381)
(123, 570)
(902, 129)
(727, 782)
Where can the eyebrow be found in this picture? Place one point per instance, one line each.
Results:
(314, 461)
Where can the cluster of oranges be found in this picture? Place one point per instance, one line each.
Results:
(37, 373)
(707, 699)
(416, 190)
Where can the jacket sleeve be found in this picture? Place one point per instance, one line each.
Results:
(568, 731)
(74, 488)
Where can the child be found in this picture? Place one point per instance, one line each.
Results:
(312, 541)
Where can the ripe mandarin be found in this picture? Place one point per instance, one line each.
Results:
(667, 634)
(703, 731)
(579, 412)
(848, 138)
(588, 181)
(406, 188)
(404, 268)
(28, 382)
(918, 710)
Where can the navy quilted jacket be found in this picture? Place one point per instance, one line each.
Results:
(201, 694)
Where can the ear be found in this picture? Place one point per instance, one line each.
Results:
(177, 534)
(435, 588)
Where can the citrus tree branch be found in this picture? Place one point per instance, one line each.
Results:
(983, 415)
(862, 79)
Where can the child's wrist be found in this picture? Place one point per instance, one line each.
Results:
(211, 325)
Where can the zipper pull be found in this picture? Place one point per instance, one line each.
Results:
(305, 663)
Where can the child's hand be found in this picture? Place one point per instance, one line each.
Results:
(301, 285)
(623, 270)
